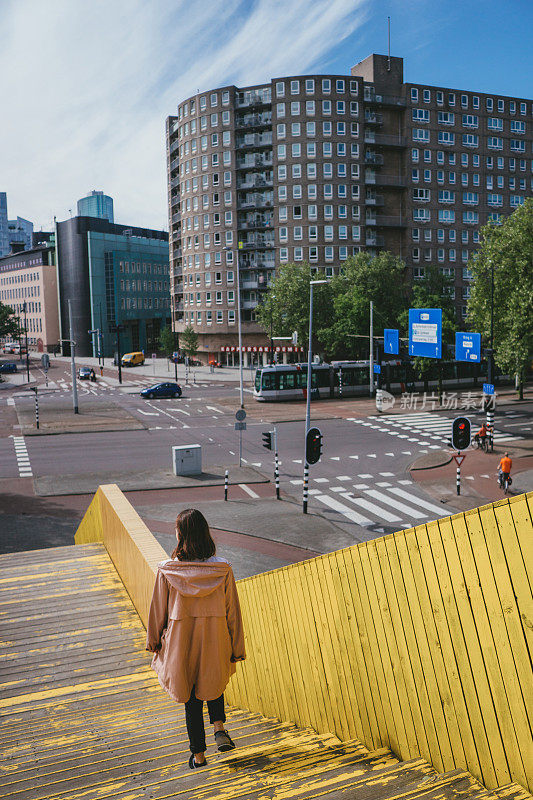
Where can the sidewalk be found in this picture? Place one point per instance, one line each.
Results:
(163, 370)
(57, 416)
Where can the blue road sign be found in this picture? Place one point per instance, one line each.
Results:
(391, 341)
(488, 388)
(425, 332)
(377, 369)
(468, 347)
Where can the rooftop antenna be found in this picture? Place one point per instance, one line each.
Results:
(388, 65)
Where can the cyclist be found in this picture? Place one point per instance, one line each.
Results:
(504, 468)
(481, 436)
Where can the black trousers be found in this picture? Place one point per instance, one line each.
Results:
(194, 717)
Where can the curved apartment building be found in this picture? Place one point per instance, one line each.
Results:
(316, 167)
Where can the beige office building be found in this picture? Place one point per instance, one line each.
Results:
(29, 277)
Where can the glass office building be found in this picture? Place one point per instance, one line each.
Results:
(96, 204)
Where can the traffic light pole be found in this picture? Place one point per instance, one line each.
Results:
(276, 463)
(458, 480)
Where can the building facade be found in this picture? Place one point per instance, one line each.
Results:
(20, 230)
(96, 204)
(112, 275)
(4, 235)
(29, 277)
(317, 167)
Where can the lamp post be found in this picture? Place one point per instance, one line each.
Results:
(117, 329)
(490, 370)
(308, 398)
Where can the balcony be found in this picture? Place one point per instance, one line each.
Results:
(174, 146)
(375, 241)
(174, 164)
(250, 140)
(254, 182)
(375, 159)
(384, 99)
(384, 140)
(245, 263)
(372, 118)
(258, 244)
(248, 225)
(259, 202)
(253, 100)
(384, 221)
(175, 182)
(253, 162)
(374, 178)
(253, 121)
(375, 200)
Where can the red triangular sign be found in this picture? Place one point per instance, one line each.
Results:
(459, 460)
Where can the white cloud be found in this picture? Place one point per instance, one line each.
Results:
(86, 87)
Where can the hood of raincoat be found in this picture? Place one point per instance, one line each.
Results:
(195, 578)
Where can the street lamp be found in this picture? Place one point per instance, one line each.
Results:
(24, 308)
(308, 399)
(117, 328)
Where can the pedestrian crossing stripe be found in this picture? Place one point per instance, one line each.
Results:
(425, 424)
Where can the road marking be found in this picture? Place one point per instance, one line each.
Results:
(354, 456)
(344, 478)
(315, 491)
(181, 411)
(368, 506)
(484, 476)
(390, 454)
(415, 513)
(360, 486)
(256, 463)
(296, 460)
(365, 475)
(383, 484)
(429, 506)
(470, 477)
(353, 516)
(297, 482)
(387, 474)
(247, 489)
(321, 480)
(10, 401)
(371, 455)
(406, 483)
(335, 458)
(23, 460)
(148, 413)
(213, 408)
(406, 452)
(337, 488)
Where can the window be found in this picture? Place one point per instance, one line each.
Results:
(475, 101)
(310, 130)
(495, 199)
(339, 86)
(341, 107)
(309, 86)
(295, 87)
(327, 128)
(470, 140)
(295, 108)
(421, 214)
(422, 195)
(280, 89)
(516, 200)
(440, 98)
(341, 128)
(310, 108)
(446, 215)
(414, 95)
(422, 135)
(415, 155)
(446, 118)
(446, 196)
(298, 254)
(427, 96)
(464, 100)
(470, 218)
(451, 98)
(471, 198)
(518, 145)
(326, 85)
(427, 175)
(446, 137)
(470, 121)
(280, 109)
(495, 143)
(415, 175)
(501, 106)
(494, 124)
(420, 114)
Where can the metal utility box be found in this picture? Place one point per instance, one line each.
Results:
(187, 459)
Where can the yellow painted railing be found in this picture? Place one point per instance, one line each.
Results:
(420, 641)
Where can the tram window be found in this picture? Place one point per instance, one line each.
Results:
(287, 380)
(269, 381)
(258, 381)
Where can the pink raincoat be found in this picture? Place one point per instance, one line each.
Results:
(195, 619)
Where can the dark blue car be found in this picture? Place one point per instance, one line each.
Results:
(8, 366)
(162, 390)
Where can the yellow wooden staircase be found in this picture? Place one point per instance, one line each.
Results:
(82, 716)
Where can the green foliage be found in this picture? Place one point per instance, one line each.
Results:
(189, 341)
(9, 323)
(286, 304)
(364, 278)
(508, 249)
(166, 341)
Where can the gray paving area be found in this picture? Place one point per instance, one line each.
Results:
(88, 483)
(56, 415)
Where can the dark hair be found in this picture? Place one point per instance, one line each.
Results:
(194, 539)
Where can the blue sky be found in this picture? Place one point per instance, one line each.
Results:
(86, 87)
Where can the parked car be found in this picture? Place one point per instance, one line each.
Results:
(8, 366)
(84, 373)
(193, 362)
(9, 347)
(162, 390)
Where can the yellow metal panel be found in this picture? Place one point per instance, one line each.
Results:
(497, 650)
(90, 528)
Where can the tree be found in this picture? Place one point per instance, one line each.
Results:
(166, 341)
(433, 290)
(507, 251)
(364, 278)
(286, 304)
(9, 323)
(189, 341)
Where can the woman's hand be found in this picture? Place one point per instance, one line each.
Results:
(155, 649)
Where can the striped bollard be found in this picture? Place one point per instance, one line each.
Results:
(340, 381)
(306, 487)
(458, 479)
(490, 426)
(276, 474)
(36, 410)
(226, 482)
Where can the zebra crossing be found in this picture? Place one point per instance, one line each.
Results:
(430, 426)
(382, 504)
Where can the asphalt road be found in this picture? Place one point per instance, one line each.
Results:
(362, 481)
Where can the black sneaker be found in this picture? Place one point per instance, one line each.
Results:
(194, 765)
(224, 741)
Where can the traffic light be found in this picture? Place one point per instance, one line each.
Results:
(461, 435)
(267, 440)
(313, 446)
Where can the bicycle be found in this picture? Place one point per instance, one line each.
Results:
(482, 443)
(504, 482)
